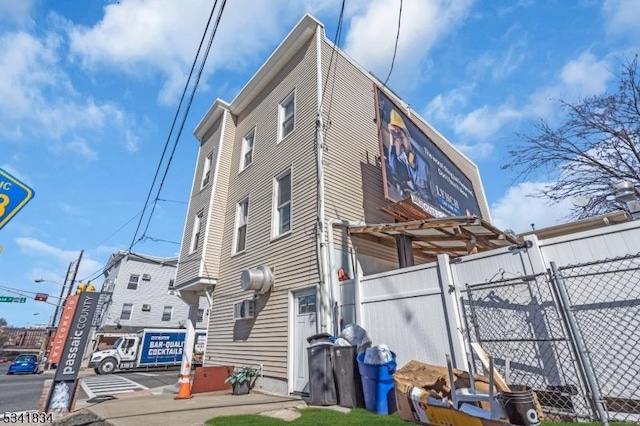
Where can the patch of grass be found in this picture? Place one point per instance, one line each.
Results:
(320, 417)
(312, 416)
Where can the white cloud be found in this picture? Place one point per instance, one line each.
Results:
(34, 247)
(445, 106)
(15, 11)
(486, 121)
(517, 209)
(585, 76)
(143, 37)
(70, 210)
(83, 149)
(37, 99)
(621, 17)
(372, 33)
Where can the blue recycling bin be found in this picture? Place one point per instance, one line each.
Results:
(377, 384)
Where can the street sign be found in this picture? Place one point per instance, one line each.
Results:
(11, 299)
(41, 297)
(14, 195)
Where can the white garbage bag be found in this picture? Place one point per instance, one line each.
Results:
(377, 355)
(356, 336)
(342, 342)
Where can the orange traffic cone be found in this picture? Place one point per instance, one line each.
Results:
(184, 392)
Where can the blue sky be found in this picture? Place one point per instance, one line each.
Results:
(88, 91)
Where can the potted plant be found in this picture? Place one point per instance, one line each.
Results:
(242, 379)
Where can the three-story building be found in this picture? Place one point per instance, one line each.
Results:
(310, 144)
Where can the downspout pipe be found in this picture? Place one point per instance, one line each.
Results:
(323, 264)
(333, 277)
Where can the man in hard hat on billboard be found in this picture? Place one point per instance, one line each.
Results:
(406, 167)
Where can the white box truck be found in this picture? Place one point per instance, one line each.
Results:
(147, 349)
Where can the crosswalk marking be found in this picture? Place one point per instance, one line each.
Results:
(108, 385)
(147, 374)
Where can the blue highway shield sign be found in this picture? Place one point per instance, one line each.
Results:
(14, 195)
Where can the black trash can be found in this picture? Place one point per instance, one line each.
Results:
(322, 388)
(347, 374)
(317, 338)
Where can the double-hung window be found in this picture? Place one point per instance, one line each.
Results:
(133, 282)
(282, 204)
(206, 171)
(287, 112)
(127, 309)
(247, 150)
(197, 228)
(242, 214)
(166, 313)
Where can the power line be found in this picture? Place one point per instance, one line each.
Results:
(175, 119)
(335, 68)
(333, 49)
(20, 293)
(188, 108)
(395, 49)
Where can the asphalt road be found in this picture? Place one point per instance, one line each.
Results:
(19, 392)
(112, 384)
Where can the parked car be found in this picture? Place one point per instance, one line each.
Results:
(25, 363)
(3, 359)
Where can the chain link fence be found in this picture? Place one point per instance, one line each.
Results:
(517, 322)
(572, 335)
(604, 298)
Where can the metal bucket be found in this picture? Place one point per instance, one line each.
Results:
(520, 405)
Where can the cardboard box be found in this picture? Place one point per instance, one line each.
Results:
(423, 396)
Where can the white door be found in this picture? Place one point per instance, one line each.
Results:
(127, 349)
(304, 325)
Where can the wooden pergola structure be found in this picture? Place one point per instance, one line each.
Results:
(417, 232)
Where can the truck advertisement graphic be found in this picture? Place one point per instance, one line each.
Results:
(162, 348)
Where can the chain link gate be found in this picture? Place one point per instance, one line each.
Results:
(519, 323)
(604, 298)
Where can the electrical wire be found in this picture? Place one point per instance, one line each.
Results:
(188, 108)
(395, 49)
(336, 41)
(19, 293)
(175, 119)
(333, 49)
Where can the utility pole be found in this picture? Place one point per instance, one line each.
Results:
(75, 273)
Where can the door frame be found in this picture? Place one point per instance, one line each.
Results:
(292, 322)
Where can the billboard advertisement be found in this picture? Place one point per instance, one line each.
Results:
(60, 337)
(415, 168)
(66, 377)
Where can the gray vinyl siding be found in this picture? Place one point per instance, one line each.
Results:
(265, 340)
(354, 187)
(153, 292)
(189, 265)
(353, 184)
(216, 213)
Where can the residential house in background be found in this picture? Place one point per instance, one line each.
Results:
(138, 293)
(23, 339)
(302, 153)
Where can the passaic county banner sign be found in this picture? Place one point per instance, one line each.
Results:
(65, 380)
(14, 195)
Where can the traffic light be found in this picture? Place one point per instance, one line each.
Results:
(85, 287)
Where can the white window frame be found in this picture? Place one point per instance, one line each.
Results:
(276, 223)
(247, 149)
(239, 224)
(164, 311)
(206, 171)
(195, 234)
(130, 312)
(133, 284)
(281, 116)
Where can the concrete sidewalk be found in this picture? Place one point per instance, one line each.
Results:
(160, 408)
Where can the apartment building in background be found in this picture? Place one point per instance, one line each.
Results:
(138, 293)
(302, 151)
